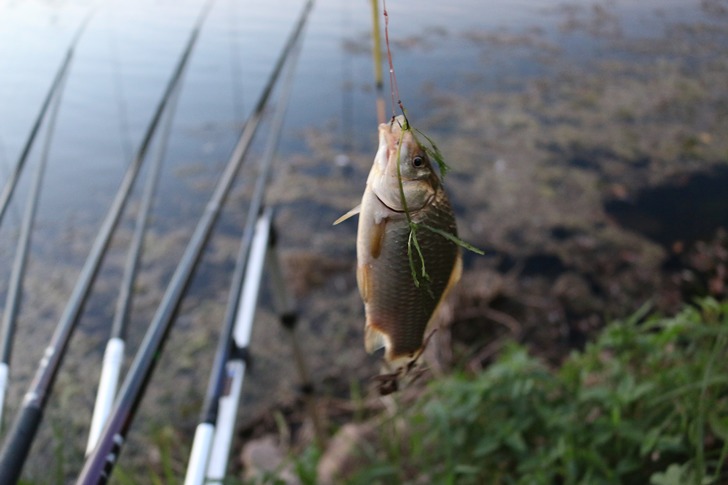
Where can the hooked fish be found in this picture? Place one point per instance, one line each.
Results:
(399, 307)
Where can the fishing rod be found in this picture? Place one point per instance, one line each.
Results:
(114, 352)
(20, 437)
(214, 434)
(215, 438)
(229, 357)
(100, 463)
(12, 181)
(377, 55)
(15, 287)
(218, 438)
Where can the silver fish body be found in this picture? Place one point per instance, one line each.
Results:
(399, 307)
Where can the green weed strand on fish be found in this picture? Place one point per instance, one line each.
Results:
(453, 238)
(434, 152)
(412, 241)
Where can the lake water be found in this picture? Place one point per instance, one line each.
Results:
(128, 50)
(126, 55)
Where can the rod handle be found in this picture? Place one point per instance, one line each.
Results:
(4, 376)
(108, 384)
(17, 443)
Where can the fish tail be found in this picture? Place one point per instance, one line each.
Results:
(375, 339)
(401, 371)
(402, 363)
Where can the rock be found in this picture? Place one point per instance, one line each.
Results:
(343, 455)
(263, 457)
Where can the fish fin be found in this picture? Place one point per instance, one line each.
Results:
(377, 239)
(457, 273)
(375, 339)
(349, 214)
(363, 282)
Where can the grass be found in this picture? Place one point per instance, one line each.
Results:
(647, 402)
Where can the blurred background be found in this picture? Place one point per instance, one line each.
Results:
(588, 146)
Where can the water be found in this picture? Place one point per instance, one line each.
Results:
(129, 49)
(127, 53)
(124, 60)
(444, 51)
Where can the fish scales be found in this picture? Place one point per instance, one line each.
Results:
(402, 310)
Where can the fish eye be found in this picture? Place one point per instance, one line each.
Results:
(417, 162)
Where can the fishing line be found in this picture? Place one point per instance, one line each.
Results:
(392, 75)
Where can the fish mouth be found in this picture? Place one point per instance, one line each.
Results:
(390, 134)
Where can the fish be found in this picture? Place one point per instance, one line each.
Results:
(400, 305)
